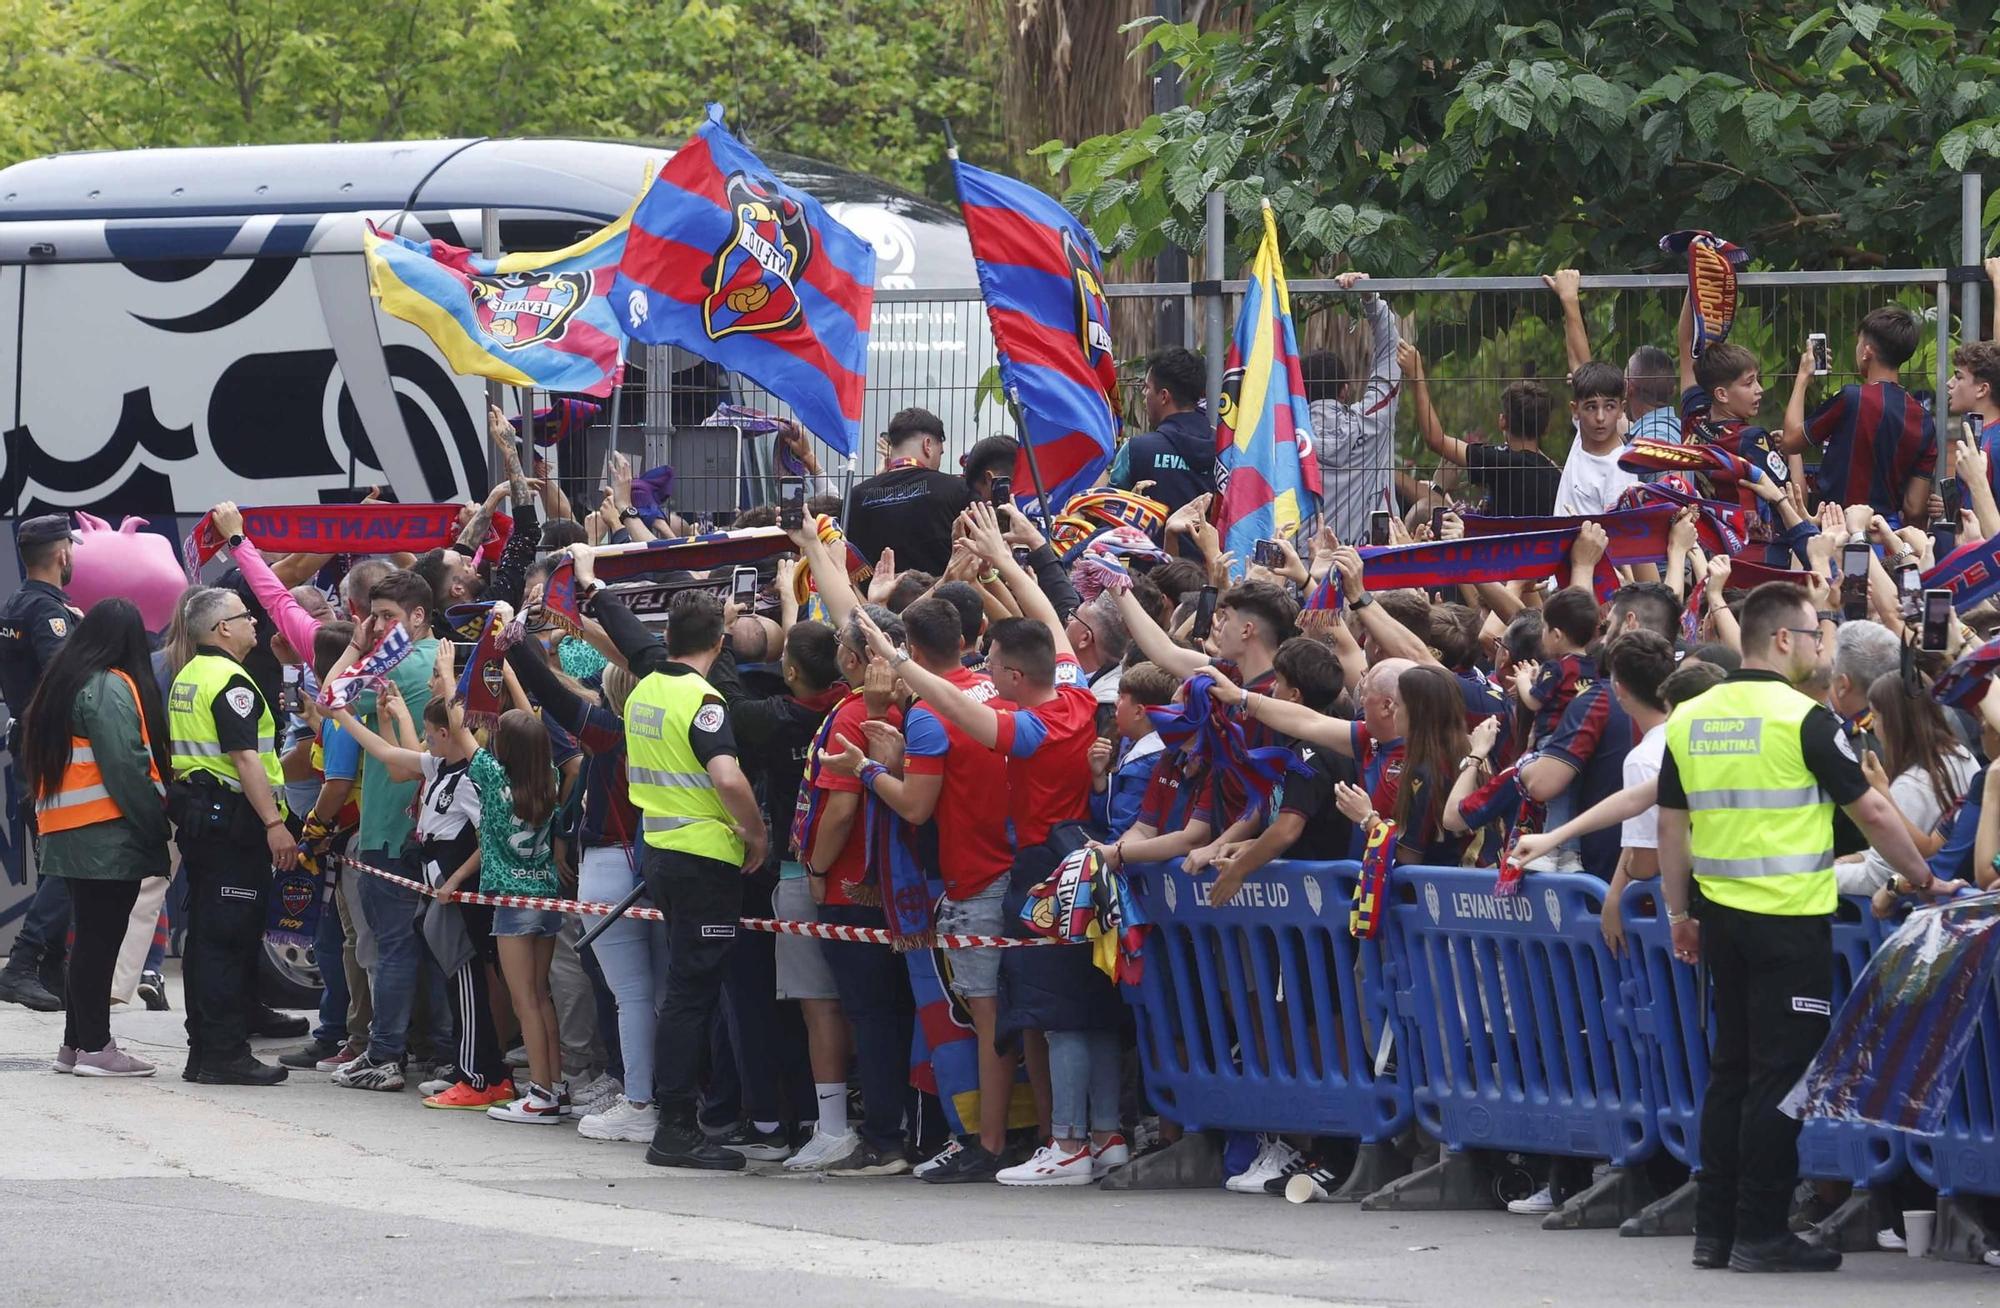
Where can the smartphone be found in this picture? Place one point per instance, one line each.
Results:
(1378, 527)
(1003, 492)
(1952, 491)
(1854, 580)
(743, 586)
(1909, 591)
(1937, 621)
(1968, 426)
(1266, 554)
(1204, 614)
(1817, 342)
(1437, 521)
(1022, 554)
(791, 503)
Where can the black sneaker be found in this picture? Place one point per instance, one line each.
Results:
(681, 1144)
(192, 1072)
(1711, 1252)
(20, 986)
(1311, 1166)
(1783, 1253)
(970, 1162)
(247, 1070)
(270, 1022)
(869, 1159)
(758, 1146)
(153, 989)
(306, 1058)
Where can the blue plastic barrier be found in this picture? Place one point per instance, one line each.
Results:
(1965, 1157)
(1515, 1007)
(1662, 999)
(1264, 1014)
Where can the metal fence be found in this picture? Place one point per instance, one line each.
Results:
(932, 349)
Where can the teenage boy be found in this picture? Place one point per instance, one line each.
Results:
(1520, 480)
(1649, 372)
(1592, 481)
(1877, 444)
(1973, 391)
(1721, 393)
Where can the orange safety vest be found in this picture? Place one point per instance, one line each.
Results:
(82, 798)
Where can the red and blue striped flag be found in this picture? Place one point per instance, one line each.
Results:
(1264, 464)
(1043, 281)
(729, 263)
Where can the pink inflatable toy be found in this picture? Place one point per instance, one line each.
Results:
(139, 565)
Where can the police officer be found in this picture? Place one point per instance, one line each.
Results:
(702, 832)
(1178, 455)
(225, 799)
(34, 622)
(1752, 775)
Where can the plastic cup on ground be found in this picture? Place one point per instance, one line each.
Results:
(1917, 1231)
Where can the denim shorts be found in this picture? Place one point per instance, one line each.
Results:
(526, 922)
(975, 973)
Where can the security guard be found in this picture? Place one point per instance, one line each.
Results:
(225, 800)
(1752, 774)
(34, 623)
(702, 831)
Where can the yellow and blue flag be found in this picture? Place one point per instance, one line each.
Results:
(541, 320)
(1265, 471)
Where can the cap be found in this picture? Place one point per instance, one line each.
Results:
(41, 531)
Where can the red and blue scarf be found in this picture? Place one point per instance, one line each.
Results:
(370, 528)
(1202, 728)
(1712, 265)
(692, 553)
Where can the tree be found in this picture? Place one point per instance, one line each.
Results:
(862, 83)
(1422, 135)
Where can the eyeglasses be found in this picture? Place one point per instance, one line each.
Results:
(1819, 636)
(223, 622)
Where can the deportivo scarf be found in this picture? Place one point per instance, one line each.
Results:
(482, 682)
(1712, 264)
(1371, 910)
(1897, 1047)
(692, 553)
(1971, 573)
(370, 528)
(1964, 683)
(1202, 728)
(368, 671)
(562, 419)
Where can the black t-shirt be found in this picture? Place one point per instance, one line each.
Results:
(776, 733)
(1307, 791)
(909, 510)
(1827, 752)
(238, 708)
(1519, 483)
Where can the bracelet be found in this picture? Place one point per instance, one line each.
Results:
(274, 822)
(1472, 761)
(1828, 615)
(1675, 917)
(988, 577)
(871, 771)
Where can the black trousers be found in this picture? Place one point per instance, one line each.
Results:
(874, 985)
(768, 1039)
(702, 899)
(229, 891)
(102, 910)
(1771, 979)
(479, 1055)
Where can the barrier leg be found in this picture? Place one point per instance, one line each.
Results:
(1958, 1235)
(1457, 1180)
(1607, 1202)
(1671, 1215)
(1849, 1228)
(1374, 1167)
(1193, 1162)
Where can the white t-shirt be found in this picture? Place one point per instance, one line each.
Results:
(1914, 798)
(446, 801)
(1642, 764)
(1591, 483)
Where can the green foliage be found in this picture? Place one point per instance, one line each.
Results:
(1407, 136)
(861, 83)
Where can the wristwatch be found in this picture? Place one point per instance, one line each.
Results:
(627, 512)
(899, 658)
(1362, 603)
(235, 539)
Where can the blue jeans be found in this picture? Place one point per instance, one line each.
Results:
(402, 962)
(632, 954)
(44, 935)
(1083, 1082)
(328, 944)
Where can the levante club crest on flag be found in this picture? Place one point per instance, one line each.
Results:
(1265, 470)
(541, 320)
(1043, 281)
(727, 262)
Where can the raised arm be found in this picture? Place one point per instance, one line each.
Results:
(297, 625)
(1295, 720)
(1566, 282)
(1792, 440)
(1445, 447)
(1154, 642)
(403, 764)
(982, 532)
(1393, 638)
(829, 574)
(969, 715)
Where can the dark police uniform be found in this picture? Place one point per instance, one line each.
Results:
(34, 623)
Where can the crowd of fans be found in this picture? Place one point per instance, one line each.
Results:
(986, 700)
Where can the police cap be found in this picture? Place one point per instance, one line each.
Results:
(45, 529)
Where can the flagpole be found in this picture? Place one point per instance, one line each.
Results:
(489, 246)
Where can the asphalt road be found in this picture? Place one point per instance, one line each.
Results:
(160, 1192)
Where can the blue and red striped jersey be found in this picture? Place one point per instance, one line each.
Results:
(1873, 439)
(1595, 736)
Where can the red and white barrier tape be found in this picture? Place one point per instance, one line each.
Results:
(777, 926)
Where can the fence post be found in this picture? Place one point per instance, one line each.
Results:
(1970, 247)
(1214, 341)
(1968, 330)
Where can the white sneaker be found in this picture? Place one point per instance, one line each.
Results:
(620, 1121)
(1051, 1165)
(938, 1160)
(603, 1088)
(1271, 1161)
(538, 1105)
(1113, 1155)
(823, 1150)
(1539, 1204)
(1888, 1241)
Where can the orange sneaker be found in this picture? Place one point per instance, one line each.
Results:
(464, 1096)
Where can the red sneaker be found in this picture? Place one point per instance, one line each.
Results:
(464, 1096)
